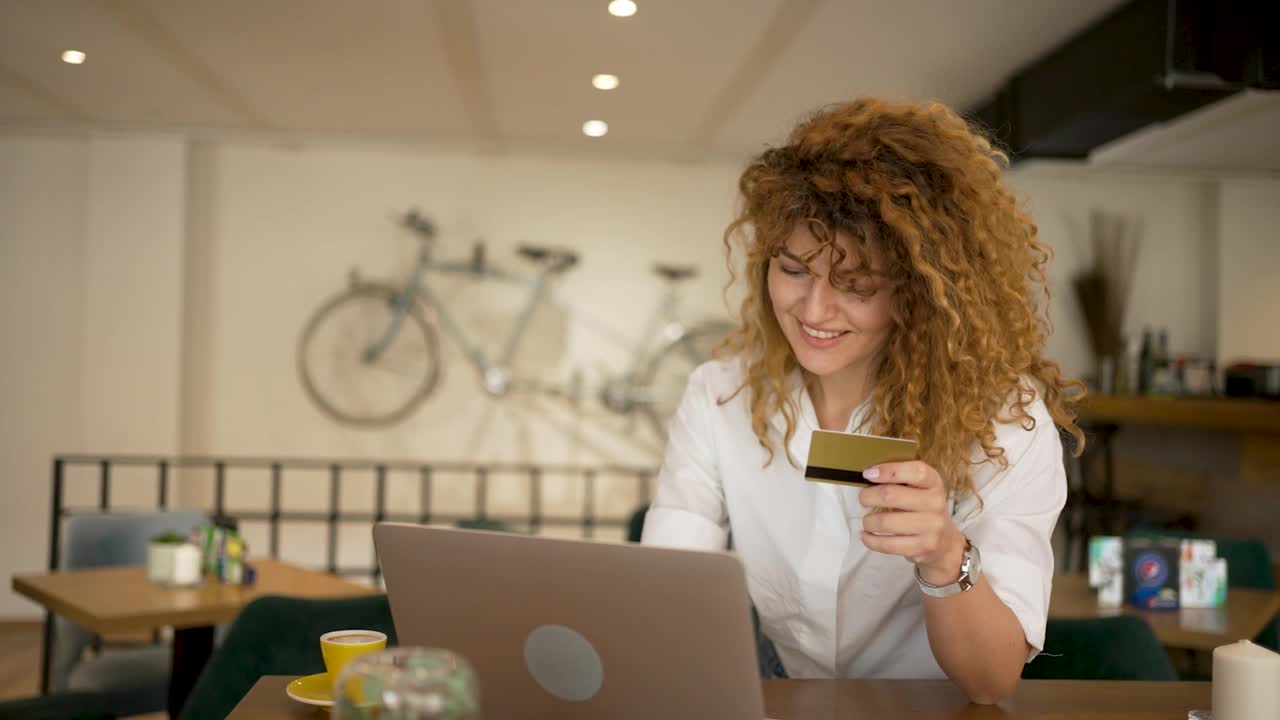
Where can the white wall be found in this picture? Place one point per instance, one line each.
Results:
(90, 242)
(1248, 285)
(42, 203)
(1249, 270)
(281, 226)
(1170, 289)
(132, 294)
(285, 225)
(158, 289)
(279, 230)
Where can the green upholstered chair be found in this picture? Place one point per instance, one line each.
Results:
(278, 636)
(635, 526)
(1113, 648)
(484, 524)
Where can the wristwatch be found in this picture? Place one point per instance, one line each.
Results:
(970, 571)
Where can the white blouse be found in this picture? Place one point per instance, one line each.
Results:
(832, 607)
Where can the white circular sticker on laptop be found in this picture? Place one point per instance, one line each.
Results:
(564, 662)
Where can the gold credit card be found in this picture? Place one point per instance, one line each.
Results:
(840, 458)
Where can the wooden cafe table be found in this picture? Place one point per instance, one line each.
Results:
(880, 699)
(122, 599)
(1246, 613)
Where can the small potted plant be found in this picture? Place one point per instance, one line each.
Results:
(173, 559)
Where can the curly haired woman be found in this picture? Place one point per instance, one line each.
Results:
(893, 288)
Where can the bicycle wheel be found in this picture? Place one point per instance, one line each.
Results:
(662, 383)
(344, 382)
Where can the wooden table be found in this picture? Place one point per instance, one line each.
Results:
(1246, 613)
(121, 599)
(879, 699)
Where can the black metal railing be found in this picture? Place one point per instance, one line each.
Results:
(532, 520)
(68, 474)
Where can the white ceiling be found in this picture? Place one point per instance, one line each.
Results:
(699, 77)
(1238, 134)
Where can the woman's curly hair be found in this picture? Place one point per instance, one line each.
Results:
(966, 270)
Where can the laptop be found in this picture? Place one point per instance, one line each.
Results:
(571, 629)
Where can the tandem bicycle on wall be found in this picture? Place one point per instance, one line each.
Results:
(369, 356)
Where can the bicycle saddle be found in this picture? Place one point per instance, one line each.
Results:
(558, 258)
(420, 224)
(675, 272)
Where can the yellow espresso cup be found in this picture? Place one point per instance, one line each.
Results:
(342, 646)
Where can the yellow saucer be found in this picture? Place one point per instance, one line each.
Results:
(312, 690)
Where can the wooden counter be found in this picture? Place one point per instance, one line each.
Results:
(1242, 415)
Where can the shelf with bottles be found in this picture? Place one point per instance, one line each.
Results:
(1149, 369)
(1246, 415)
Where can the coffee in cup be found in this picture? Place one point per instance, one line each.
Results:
(340, 647)
(355, 638)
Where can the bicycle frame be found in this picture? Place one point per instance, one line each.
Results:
(662, 324)
(644, 384)
(494, 375)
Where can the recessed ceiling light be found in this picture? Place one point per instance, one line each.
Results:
(75, 57)
(595, 128)
(622, 8)
(604, 81)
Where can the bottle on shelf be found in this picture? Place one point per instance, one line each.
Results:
(1145, 356)
(1124, 371)
(1162, 368)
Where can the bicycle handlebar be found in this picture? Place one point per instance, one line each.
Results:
(560, 260)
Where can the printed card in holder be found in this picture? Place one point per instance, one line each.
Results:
(1106, 569)
(1203, 575)
(840, 458)
(1152, 566)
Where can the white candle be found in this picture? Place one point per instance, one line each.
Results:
(1246, 682)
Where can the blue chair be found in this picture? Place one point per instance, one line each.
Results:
(132, 680)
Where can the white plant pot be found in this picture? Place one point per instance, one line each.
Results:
(176, 564)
